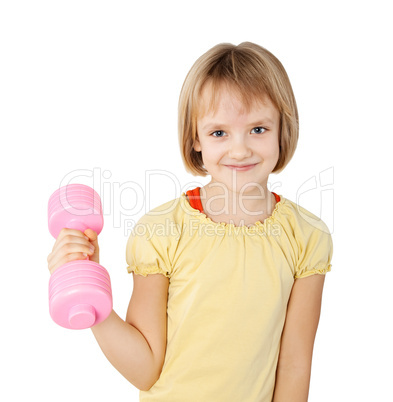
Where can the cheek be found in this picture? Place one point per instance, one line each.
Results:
(212, 150)
(207, 155)
(269, 148)
(274, 147)
(277, 150)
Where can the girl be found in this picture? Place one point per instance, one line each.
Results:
(228, 278)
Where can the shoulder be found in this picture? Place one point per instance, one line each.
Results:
(165, 221)
(302, 220)
(308, 231)
(171, 210)
(152, 244)
(312, 237)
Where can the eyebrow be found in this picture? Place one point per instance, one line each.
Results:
(262, 122)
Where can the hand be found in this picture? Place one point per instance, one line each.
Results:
(73, 245)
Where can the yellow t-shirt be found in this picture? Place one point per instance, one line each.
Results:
(228, 292)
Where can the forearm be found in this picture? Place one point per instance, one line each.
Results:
(292, 385)
(127, 350)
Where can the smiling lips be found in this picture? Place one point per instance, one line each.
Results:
(240, 167)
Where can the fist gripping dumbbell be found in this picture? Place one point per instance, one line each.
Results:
(80, 294)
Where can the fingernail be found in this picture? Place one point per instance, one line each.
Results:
(85, 254)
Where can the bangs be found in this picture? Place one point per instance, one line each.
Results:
(212, 89)
(241, 73)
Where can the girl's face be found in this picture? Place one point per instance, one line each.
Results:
(239, 148)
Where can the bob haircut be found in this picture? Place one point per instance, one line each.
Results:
(254, 73)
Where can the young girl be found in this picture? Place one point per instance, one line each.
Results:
(228, 278)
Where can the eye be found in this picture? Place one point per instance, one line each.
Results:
(218, 133)
(258, 130)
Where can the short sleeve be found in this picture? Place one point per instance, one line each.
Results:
(315, 251)
(148, 250)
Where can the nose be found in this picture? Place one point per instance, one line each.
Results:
(239, 148)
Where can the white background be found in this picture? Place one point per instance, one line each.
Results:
(92, 86)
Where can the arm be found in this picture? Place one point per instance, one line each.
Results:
(297, 341)
(136, 347)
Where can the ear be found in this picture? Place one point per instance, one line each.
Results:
(197, 145)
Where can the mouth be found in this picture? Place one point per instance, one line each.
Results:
(241, 167)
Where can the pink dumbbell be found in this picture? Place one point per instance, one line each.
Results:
(80, 294)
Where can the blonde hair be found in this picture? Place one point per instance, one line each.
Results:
(253, 72)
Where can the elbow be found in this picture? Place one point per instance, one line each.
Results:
(148, 384)
(145, 389)
(151, 372)
(143, 385)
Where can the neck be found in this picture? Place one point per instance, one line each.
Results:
(218, 200)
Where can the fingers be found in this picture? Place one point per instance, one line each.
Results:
(92, 235)
(70, 245)
(69, 236)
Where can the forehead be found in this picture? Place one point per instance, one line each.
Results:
(228, 98)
